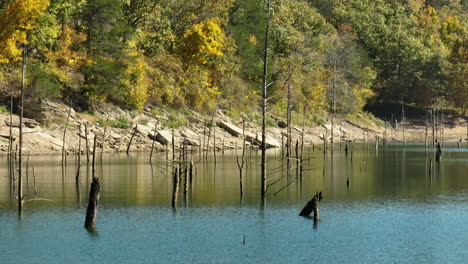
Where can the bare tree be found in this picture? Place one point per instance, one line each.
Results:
(264, 102)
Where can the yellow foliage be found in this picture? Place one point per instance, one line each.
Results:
(452, 29)
(16, 20)
(136, 82)
(252, 40)
(66, 60)
(202, 41)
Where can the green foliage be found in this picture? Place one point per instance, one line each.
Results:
(336, 55)
(120, 122)
(3, 109)
(174, 120)
(43, 83)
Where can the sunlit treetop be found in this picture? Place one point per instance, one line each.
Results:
(203, 41)
(17, 19)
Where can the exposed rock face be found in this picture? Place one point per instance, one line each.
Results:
(164, 137)
(31, 123)
(250, 137)
(190, 137)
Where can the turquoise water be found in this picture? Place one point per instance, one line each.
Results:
(394, 211)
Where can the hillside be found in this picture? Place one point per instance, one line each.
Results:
(44, 134)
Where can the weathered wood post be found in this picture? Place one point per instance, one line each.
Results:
(94, 193)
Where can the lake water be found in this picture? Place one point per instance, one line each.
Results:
(394, 211)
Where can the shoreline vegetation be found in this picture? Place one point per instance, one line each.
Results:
(154, 127)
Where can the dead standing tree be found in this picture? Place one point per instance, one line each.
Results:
(20, 158)
(240, 164)
(288, 129)
(131, 139)
(264, 102)
(64, 160)
(104, 136)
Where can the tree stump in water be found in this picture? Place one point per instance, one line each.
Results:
(312, 206)
(91, 212)
(438, 152)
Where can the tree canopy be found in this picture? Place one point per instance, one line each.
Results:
(203, 53)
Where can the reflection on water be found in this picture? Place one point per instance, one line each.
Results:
(397, 208)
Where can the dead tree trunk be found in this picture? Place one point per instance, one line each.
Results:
(10, 137)
(264, 103)
(312, 206)
(87, 142)
(175, 190)
(438, 152)
(426, 133)
(94, 193)
(131, 139)
(64, 160)
(20, 161)
(403, 119)
(240, 164)
(433, 127)
(104, 136)
(173, 147)
(77, 176)
(152, 144)
(214, 143)
(301, 159)
(288, 129)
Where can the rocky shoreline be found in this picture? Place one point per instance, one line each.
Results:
(44, 127)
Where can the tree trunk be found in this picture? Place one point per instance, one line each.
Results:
(94, 193)
(20, 161)
(131, 139)
(264, 104)
(104, 136)
(64, 160)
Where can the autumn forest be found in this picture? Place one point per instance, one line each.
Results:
(201, 54)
